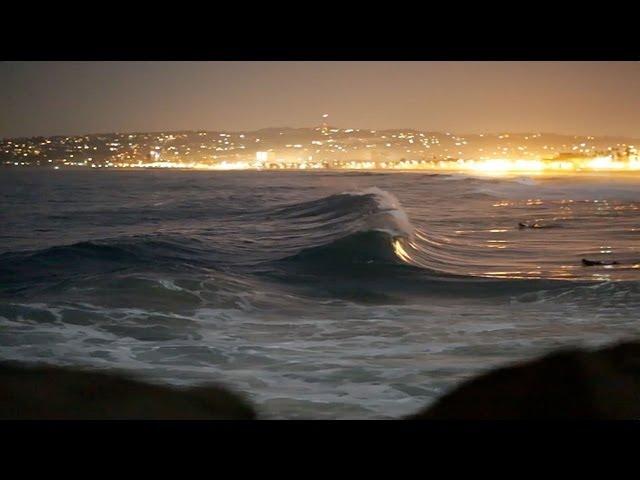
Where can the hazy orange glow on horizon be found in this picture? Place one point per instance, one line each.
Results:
(588, 98)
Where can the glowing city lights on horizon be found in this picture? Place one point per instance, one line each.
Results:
(330, 148)
(497, 166)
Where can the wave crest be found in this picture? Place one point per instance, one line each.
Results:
(370, 222)
(362, 210)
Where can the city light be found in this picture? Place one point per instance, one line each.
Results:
(329, 148)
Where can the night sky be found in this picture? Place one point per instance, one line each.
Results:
(54, 98)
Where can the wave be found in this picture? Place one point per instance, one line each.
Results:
(130, 249)
(371, 223)
(367, 226)
(369, 209)
(28, 269)
(365, 232)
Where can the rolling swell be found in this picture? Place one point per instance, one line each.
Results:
(367, 224)
(19, 270)
(370, 227)
(344, 228)
(365, 235)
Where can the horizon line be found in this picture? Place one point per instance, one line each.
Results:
(441, 132)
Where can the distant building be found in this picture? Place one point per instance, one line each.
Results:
(262, 159)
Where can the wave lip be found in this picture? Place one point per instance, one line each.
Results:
(390, 216)
(368, 209)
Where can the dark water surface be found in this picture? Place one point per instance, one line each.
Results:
(320, 295)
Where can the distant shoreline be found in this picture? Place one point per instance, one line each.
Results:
(548, 173)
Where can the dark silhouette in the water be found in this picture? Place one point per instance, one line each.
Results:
(591, 263)
(522, 225)
(56, 393)
(575, 384)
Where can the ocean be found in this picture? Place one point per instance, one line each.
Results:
(342, 295)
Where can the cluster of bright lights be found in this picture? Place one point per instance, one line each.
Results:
(504, 166)
(490, 167)
(494, 166)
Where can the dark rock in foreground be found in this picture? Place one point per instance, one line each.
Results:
(55, 393)
(577, 384)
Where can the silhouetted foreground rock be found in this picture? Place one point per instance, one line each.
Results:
(598, 385)
(55, 393)
(576, 384)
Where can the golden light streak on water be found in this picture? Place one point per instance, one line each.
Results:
(400, 251)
